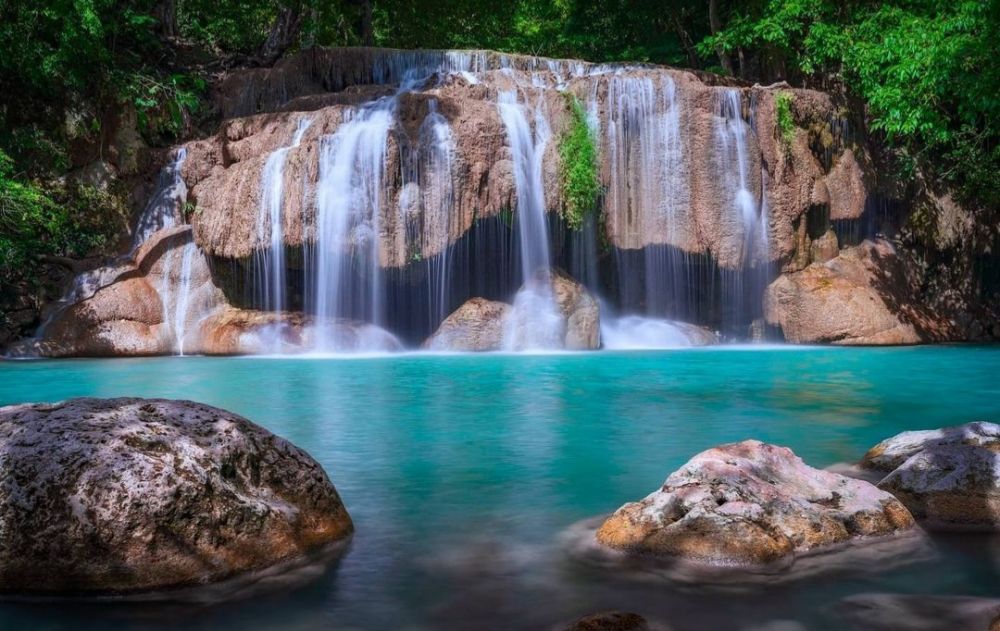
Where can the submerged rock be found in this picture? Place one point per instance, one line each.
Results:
(847, 300)
(610, 621)
(751, 504)
(921, 612)
(948, 477)
(128, 495)
(475, 326)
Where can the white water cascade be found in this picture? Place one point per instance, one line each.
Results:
(183, 298)
(731, 133)
(649, 196)
(271, 275)
(348, 201)
(534, 323)
(437, 192)
(166, 207)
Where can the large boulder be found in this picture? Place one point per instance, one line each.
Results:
(475, 326)
(751, 504)
(842, 301)
(127, 495)
(949, 478)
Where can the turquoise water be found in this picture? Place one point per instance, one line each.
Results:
(462, 472)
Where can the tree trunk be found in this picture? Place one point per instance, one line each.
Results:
(283, 35)
(166, 13)
(686, 42)
(367, 29)
(716, 26)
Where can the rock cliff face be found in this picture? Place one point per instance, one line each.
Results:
(681, 158)
(386, 187)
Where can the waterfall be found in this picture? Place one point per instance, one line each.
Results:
(346, 274)
(649, 198)
(183, 298)
(534, 322)
(271, 281)
(731, 137)
(165, 208)
(741, 211)
(438, 194)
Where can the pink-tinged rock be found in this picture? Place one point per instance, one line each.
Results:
(752, 504)
(949, 478)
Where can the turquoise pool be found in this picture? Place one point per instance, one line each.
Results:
(462, 472)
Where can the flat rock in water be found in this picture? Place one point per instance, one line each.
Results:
(949, 478)
(130, 495)
(751, 504)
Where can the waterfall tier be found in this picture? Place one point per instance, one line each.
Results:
(350, 193)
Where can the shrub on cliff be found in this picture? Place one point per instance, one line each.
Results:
(578, 169)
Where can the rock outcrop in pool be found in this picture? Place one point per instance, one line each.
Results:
(751, 504)
(949, 478)
(129, 495)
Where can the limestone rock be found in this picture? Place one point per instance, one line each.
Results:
(136, 305)
(581, 311)
(127, 495)
(748, 504)
(842, 301)
(825, 248)
(552, 311)
(948, 478)
(846, 187)
(232, 331)
(475, 326)
(676, 189)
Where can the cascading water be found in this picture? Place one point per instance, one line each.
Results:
(183, 298)
(166, 207)
(648, 204)
(348, 200)
(437, 196)
(534, 322)
(346, 272)
(271, 276)
(745, 216)
(731, 139)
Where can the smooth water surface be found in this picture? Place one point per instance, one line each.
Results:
(463, 472)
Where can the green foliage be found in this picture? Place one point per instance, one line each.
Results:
(925, 68)
(66, 221)
(786, 120)
(578, 167)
